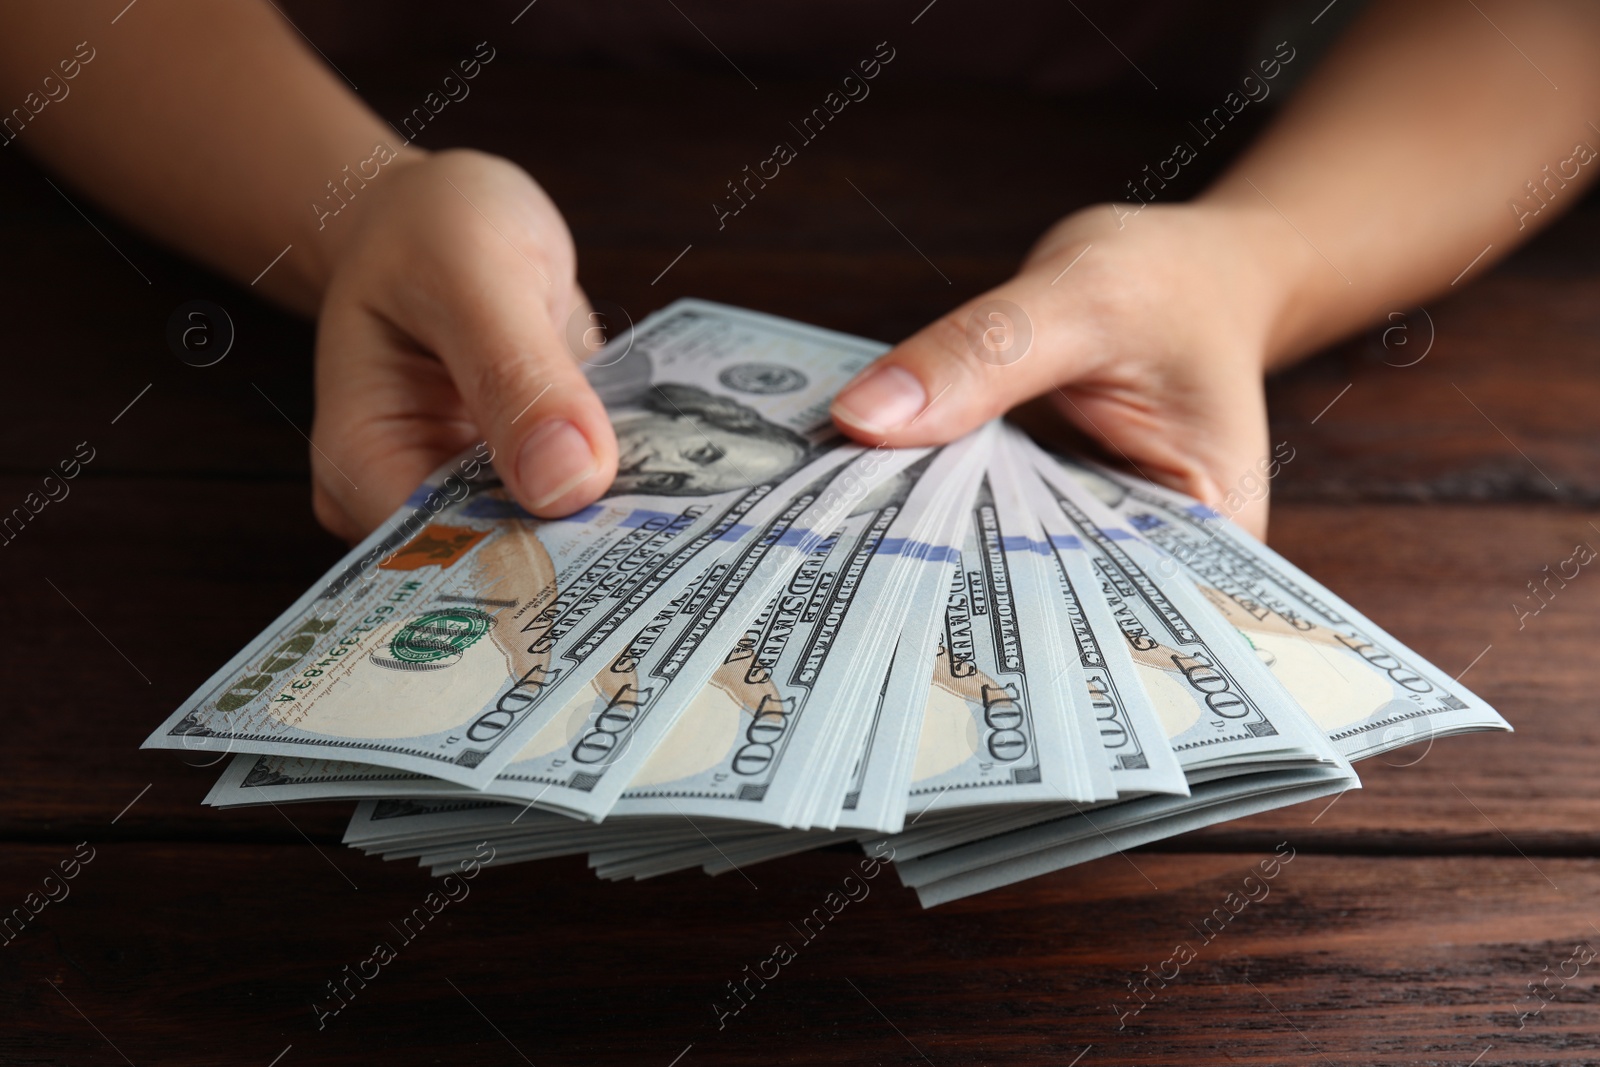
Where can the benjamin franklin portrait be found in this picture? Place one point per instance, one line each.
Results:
(680, 440)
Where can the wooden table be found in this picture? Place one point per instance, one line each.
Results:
(1407, 929)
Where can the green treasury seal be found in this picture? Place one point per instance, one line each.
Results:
(435, 636)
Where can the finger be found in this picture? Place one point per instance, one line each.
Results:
(551, 437)
(500, 333)
(388, 416)
(1251, 463)
(1208, 439)
(1231, 461)
(1254, 519)
(969, 366)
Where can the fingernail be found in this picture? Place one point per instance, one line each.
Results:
(553, 461)
(886, 399)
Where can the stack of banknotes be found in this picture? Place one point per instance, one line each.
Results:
(766, 638)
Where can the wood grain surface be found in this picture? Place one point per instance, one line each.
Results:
(1406, 930)
(190, 953)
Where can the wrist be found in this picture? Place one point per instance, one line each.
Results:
(333, 220)
(1284, 286)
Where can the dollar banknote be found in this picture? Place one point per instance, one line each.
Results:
(1077, 837)
(1365, 689)
(879, 787)
(741, 711)
(1121, 724)
(448, 638)
(1222, 711)
(992, 660)
(757, 741)
(996, 728)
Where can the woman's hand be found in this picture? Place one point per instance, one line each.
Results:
(1149, 332)
(444, 323)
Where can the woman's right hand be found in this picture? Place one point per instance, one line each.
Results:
(443, 324)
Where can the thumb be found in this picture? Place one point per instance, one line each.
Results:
(962, 370)
(551, 437)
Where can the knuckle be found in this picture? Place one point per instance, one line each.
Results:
(946, 360)
(947, 341)
(497, 383)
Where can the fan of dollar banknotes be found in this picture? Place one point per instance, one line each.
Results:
(765, 638)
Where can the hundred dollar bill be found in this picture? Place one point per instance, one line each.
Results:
(1083, 836)
(451, 636)
(895, 707)
(1367, 691)
(1127, 731)
(994, 732)
(1222, 710)
(752, 741)
(585, 758)
(880, 783)
(625, 723)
